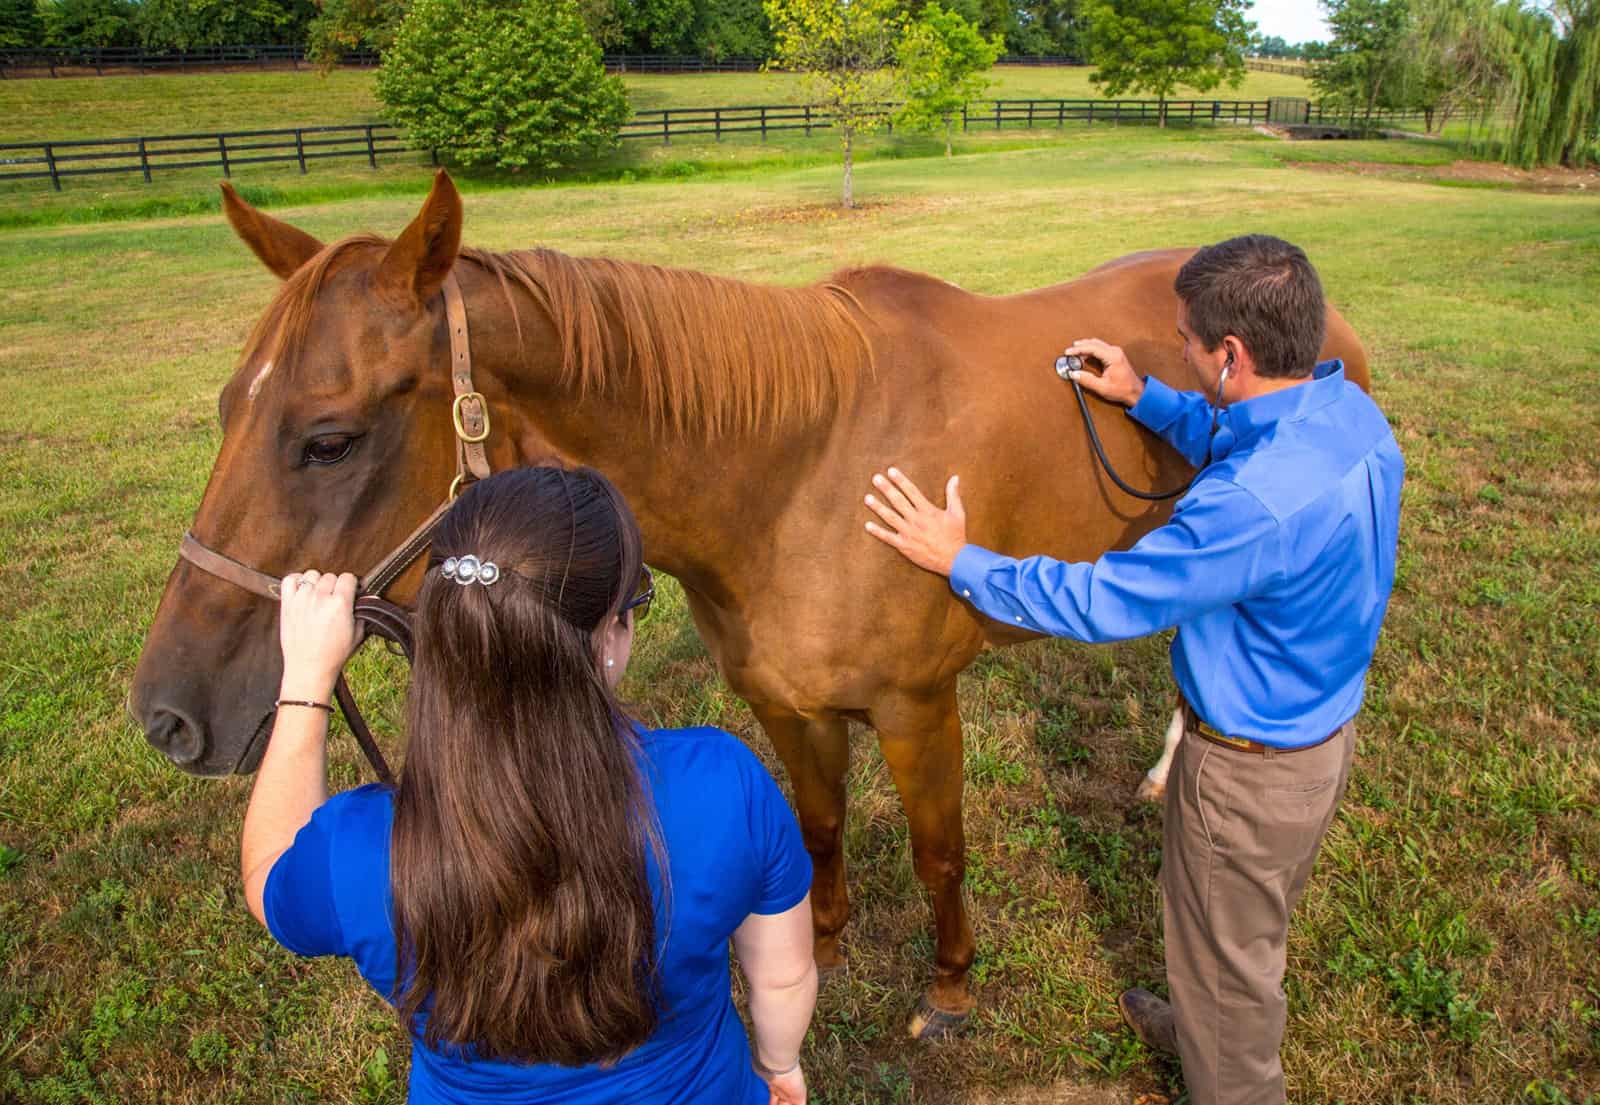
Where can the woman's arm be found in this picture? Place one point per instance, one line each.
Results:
(775, 954)
(317, 632)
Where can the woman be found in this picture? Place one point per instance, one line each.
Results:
(548, 894)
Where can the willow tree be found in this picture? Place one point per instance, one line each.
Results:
(1557, 85)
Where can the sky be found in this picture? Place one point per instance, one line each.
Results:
(1291, 20)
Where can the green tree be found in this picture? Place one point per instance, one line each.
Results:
(1047, 27)
(180, 24)
(20, 25)
(1369, 59)
(733, 29)
(944, 65)
(345, 26)
(80, 24)
(845, 50)
(657, 26)
(1154, 46)
(511, 83)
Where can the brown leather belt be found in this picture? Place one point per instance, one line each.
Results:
(1193, 724)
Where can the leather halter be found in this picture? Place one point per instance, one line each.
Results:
(376, 616)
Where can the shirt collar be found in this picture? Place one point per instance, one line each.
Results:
(1252, 417)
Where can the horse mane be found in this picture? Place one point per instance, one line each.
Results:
(707, 354)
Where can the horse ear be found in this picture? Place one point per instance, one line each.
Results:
(420, 259)
(281, 247)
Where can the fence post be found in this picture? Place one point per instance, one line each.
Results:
(144, 161)
(1216, 111)
(1030, 114)
(222, 148)
(666, 128)
(763, 122)
(300, 148)
(716, 121)
(808, 120)
(1061, 113)
(50, 160)
(963, 118)
(372, 154)
(997, 115)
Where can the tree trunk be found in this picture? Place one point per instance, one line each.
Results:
(1161, 112)
(849, 193)
(947, 150)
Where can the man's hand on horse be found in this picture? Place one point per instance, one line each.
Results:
(923, 533)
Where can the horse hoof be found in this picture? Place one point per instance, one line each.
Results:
(929, 1023)
(829, 972)
(1150, 790)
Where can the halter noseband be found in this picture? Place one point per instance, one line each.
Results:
(375, 615)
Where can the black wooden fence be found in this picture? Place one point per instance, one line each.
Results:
(152, 153)
(19, 62)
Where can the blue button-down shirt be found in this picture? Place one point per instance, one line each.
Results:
(1276, 565)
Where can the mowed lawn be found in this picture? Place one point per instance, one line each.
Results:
(115, 107)
(1445, 950)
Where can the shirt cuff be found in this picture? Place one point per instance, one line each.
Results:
(1158, 407)
(971, 564)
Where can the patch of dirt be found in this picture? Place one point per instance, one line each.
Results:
(1485, 172)
(1067, 1093)
(832, 211)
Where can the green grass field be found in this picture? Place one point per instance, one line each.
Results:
(113, 107)
(1446, 948)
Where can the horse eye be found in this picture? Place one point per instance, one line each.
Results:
(329, 450)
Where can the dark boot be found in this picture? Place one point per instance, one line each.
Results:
(1151, 1020)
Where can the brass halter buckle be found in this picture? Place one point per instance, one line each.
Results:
(455, 416)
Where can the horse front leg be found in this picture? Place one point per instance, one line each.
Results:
(816, 754)
(921, 742)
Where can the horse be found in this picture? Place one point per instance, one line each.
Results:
(741, 421)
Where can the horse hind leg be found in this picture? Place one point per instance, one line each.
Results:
(1153, 787)
(816, 754)
(921, 742)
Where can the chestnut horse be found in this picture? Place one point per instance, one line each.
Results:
(741, 422)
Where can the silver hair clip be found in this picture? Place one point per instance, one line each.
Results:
(469, 569)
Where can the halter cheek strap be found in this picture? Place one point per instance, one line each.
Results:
(469, 414)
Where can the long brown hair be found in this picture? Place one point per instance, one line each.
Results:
(524, 920)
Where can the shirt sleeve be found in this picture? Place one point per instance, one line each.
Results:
(298, 898)
(1182, 418)
(1221, 546)
(785, 866)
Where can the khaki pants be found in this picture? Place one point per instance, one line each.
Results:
(1240, 837)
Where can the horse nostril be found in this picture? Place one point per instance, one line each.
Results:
(179, 737)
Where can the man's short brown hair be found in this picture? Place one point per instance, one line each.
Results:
(1263, 291)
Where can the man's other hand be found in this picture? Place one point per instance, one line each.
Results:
(924, 534)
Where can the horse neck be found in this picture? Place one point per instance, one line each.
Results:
(701, 493)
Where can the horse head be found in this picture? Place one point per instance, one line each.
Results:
(337, 441)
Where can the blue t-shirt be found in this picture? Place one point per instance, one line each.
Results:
(733, 849)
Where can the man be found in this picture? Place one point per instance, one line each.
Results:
(1276, 568)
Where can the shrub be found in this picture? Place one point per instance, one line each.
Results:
(517, 84)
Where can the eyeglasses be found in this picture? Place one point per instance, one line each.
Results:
(645, 596)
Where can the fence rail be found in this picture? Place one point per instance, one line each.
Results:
(18, 62)
(149, 154)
